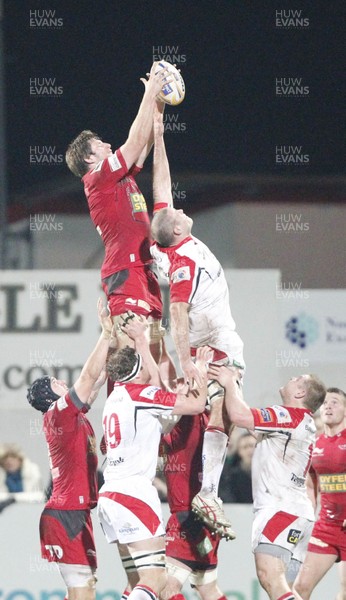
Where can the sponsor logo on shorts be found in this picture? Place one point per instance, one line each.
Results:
(293, 536)
(182, 274)
(282, 414)
(128, 529)
(204, 547)
(317, 542)
(298, 481)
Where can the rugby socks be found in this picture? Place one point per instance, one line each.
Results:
(222, 598)
(177, 597)
(125, 595)
(213, 456)
(142, 592)
(287, 596)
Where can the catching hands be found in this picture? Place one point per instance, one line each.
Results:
(224, 375)
(135, 326)
(157, 78)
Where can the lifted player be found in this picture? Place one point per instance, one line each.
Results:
(200, 314)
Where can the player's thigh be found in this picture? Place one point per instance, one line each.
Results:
(313, 569)
(266, 565)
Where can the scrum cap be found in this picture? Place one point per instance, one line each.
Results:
(40, 394)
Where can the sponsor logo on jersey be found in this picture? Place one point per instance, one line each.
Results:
(114, 163)
(333, 483)
(264, 415)
(282, 414)
(342, 447)
(149, 392)
(61, 403)
(115, 461)
(318, 451)
(181, 274)
(293, 536)
(138, 202)
(298, 481)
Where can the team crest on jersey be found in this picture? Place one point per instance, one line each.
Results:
(293, 536)
(114, 163)
(264, 415)
(149, 392)
(182, 274)
(282, 414)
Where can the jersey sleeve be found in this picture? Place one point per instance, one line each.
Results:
(109, 172)
(183, 280)
(63, 413)
(277, 418)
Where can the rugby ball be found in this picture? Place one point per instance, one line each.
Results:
(172, 93)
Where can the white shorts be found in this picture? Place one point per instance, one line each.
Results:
(289, 532)
(130, 511)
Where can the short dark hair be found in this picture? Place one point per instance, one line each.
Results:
(335, 390)
(78, 150)
(120, 363)
(162, 228)
(316, 393)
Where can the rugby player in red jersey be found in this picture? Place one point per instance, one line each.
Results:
(65, 526)
(119, 213)
(328, 539)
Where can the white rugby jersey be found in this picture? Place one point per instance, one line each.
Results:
(132, 429)
(195, 276)
(282, 459)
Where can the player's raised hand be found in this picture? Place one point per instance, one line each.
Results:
(105, 318)
(193, 375)
(157, 78)
(224, 375)
(135, 326)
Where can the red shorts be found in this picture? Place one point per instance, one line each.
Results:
(328, 538)
(67, 537)
(135, 289)
(190, 542)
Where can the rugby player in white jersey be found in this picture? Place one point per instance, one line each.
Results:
(284, 513)
(129, 508)
(200, 314)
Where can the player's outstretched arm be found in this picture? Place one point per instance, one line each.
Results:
(180, 332)
(162, 185)
(238, 411)
(192, 401)
(141, 128)
(97, 359)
